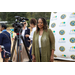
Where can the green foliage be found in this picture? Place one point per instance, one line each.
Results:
(48, 22)
(10, 16)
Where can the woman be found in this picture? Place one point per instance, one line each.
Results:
(26, 31)
(33, 22)
(43, 43)
(5, 40)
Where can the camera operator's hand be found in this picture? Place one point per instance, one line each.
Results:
(26, 35)
(29, 40)
(0, 49)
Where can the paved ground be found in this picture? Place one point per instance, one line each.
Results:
(54, 60)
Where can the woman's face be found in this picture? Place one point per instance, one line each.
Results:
(31, 25)
(40, 24)
(24, 24)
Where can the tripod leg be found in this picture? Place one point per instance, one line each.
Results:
(26, 49)
(20, 48)
(17, 51)
(13, 49)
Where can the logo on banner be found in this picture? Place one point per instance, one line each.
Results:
(54, 32)
(72, 23)
(72, 48)
(53, 25)
(72, 40)
(62, 48)
(61, 32)
(72, 56)
(63, 16)
(54, 18)
(72, 15)
(62, 40)
(63, 55)
(72, 31)
(62, 24)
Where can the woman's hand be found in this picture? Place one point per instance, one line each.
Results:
(26, 35)
(29, 40)
(0, 49)
(33, 58)
(52, 56)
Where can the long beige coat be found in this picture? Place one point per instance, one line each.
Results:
(47, 44)
(24, 56)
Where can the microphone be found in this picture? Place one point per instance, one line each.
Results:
(2, 47)
(26, 19)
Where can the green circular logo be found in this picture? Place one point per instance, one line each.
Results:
(72, 56)
(72, 23)
(63, 16)
(72, 40)
(53, 25)
(62, 48)
(61, 32)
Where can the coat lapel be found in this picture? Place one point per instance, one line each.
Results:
(25, 32)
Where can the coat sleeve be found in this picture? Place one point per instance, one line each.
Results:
(1, 37)
(52, 39)
(33, 45)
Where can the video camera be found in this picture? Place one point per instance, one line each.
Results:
(18, 23)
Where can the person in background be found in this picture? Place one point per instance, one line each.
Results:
(43, 45)
(5, 40)
(26, 31)
(33, 23)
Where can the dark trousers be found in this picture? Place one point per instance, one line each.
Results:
(31, 51)
(40, 54)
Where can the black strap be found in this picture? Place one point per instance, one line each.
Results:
(6, 35)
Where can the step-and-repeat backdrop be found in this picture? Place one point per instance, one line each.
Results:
(63, 26)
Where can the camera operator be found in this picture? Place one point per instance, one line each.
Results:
(5, 40)
(24, 32)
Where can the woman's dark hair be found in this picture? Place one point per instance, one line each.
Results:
(3, 26)
(44, 23)
(33, 21)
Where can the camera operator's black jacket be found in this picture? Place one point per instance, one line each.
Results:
(26, 39)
